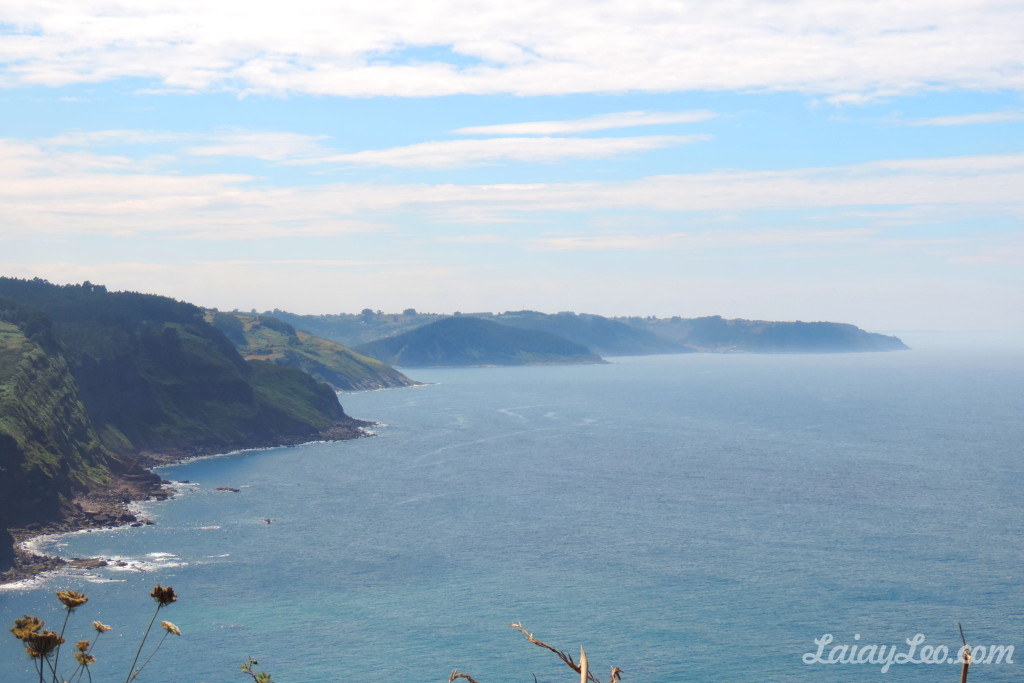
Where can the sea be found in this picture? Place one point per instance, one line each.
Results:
(701, 517)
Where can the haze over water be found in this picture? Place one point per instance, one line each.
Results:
(695, 517)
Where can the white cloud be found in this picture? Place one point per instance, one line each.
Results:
(458, 153)
(1003, 255)
(845, 49)
(718, 239)
(262, 145)
(476, 239)
(626, 119)
(298, 149)
(971, 119)
(78, 193)
(108, 138)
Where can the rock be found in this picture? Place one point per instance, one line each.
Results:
(136, 524)
(88, 562)
(228, 488)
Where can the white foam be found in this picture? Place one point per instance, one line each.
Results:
(23, 585)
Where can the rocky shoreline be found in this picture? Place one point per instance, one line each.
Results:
(108, 506)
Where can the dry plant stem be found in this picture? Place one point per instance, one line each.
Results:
(56, 657)
(53, 670)
(456, 674)
(152, 653)
(131, 671)
(79, 671)
(561, 655)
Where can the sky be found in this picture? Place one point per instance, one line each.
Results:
(855, 161)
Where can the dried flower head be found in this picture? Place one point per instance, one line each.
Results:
(72, 599)
(163, 596)
(84, 658)
(100, 627)
(23, 627)
(82, 646)
(41, 644)
(171, 628)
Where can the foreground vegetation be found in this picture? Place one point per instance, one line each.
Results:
(44, 646)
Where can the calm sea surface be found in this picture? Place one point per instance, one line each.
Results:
(686, 518)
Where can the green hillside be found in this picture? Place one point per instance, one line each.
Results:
(91, 379)
(715, 333)
(467, 340)
(261, 337)
(602, 335)
(354, 329)
(621, 336)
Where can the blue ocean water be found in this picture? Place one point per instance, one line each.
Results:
(686, 518)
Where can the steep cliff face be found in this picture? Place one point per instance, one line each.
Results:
(48, 448)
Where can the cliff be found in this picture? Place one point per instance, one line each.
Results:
(93, 383)
(48, 448)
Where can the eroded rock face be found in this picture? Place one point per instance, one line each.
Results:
(6, 550)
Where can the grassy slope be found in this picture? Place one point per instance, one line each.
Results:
(153, 375)
(467, 340)
(266, 338)
(715, 333)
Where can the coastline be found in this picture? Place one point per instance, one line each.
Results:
(108, 506)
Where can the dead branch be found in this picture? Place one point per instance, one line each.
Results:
(569, 661)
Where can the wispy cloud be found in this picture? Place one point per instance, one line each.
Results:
(458, 153)
(718, 239)
(850, 50)
(626, 119)
(268, 146)
(1004, 255)
(296, 149)
(111, 138)
(82, 193)
(475, 239)
(970, 119)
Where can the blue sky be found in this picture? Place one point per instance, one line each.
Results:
(850, 161)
